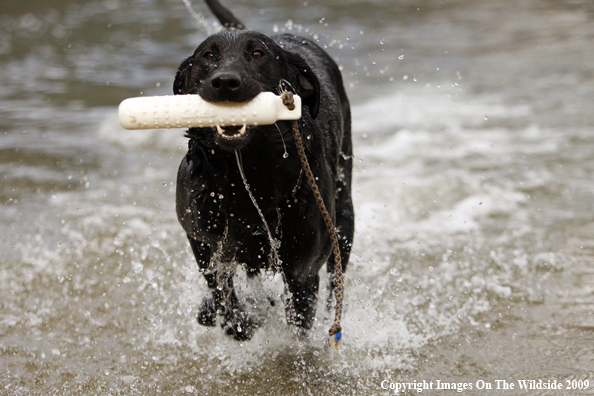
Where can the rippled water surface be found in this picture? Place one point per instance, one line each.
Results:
(473, 187)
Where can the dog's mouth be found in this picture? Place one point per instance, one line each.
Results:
(232, 136)
(231, 131)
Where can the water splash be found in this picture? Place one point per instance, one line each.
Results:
(198, 17)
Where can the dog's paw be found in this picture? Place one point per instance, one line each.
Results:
(208, 313)
(241, 327)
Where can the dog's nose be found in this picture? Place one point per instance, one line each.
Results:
(226, 82)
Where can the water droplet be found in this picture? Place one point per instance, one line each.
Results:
(401, 57)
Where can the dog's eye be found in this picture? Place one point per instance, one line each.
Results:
(208, 55)
(257, 54)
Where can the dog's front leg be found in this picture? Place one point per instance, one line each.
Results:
(300, 306)
(223, 299)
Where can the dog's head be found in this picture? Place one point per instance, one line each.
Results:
(236, 66)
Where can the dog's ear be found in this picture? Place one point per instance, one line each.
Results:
(308, 86)
(180, 84)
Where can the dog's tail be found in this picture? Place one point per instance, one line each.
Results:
(224, 16)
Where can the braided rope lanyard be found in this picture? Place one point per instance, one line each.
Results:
(335, 332)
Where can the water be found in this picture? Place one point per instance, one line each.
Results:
(473, 187)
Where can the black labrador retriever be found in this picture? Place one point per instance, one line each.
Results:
(224, 225)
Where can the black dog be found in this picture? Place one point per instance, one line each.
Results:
(214, 207)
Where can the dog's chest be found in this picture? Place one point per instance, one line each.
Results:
(214, 204)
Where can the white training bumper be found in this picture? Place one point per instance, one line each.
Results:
(188, 111)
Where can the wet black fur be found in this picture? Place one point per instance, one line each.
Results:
(213, 206)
